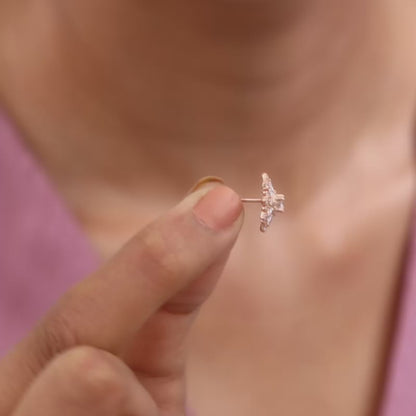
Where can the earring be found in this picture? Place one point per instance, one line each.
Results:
(271, 202)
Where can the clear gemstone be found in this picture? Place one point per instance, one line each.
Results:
(272, 202)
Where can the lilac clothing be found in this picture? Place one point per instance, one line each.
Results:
(43, 252)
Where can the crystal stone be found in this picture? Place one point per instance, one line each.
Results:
(271, 202)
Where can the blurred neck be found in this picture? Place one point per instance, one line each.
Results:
(156, 94)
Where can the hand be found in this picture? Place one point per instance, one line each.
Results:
(115, 343)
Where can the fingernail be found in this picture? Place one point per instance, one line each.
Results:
(219, 208)
(204, 181)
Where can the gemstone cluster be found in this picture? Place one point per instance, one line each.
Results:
(271, 202)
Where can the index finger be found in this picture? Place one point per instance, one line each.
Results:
(108, 308)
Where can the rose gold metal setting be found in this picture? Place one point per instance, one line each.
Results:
(271, 202)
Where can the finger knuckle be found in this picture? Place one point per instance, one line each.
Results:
(54, 335)
(95, 374)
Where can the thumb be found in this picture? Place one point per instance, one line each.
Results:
(85, 381)
(108, 308)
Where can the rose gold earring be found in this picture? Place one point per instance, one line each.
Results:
(271, 202)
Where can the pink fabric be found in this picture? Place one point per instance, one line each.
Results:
(43, 252)
(400, 393)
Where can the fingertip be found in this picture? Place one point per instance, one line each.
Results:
(219, 208)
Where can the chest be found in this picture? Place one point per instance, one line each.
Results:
(301, 322)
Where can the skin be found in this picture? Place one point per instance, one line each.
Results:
(91, 357)
(124, 102)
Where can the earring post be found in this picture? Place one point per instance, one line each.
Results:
(251, 200)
